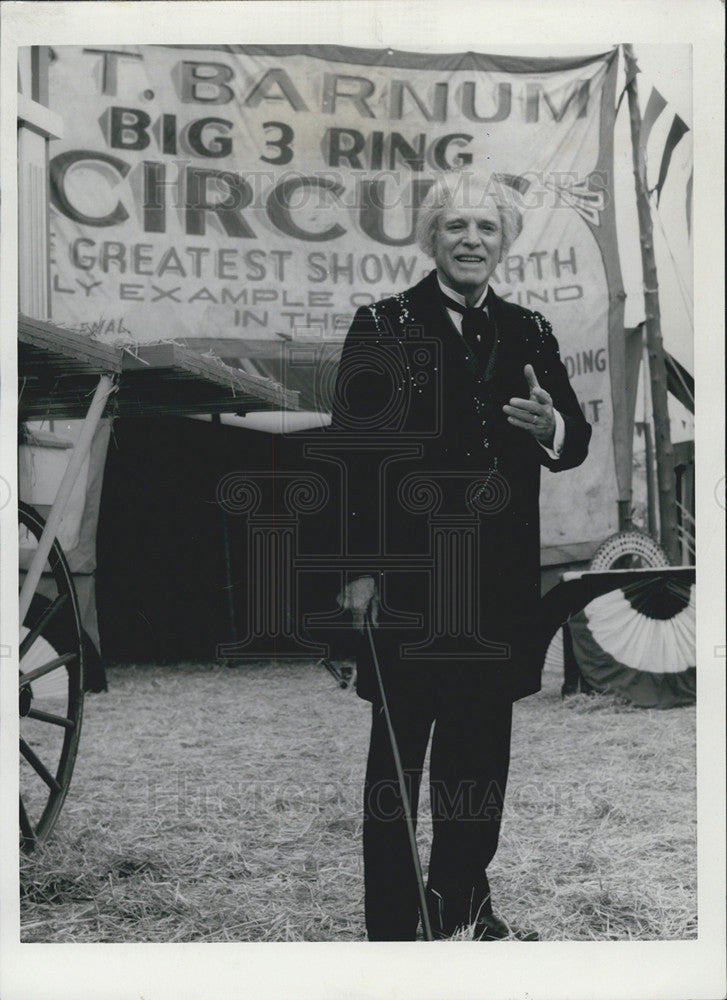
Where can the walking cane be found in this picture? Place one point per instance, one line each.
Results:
(426, 925)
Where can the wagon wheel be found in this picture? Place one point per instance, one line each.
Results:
(629, 550)
(51, 689)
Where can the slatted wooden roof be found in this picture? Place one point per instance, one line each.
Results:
(59, 369)
(307, 366)
(169, 378)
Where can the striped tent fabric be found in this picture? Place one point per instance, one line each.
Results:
(638, 641)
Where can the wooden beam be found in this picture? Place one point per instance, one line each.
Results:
(76, 349)
(264, 350)
(39, 118)
(147, 367)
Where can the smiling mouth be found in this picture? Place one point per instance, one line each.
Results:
(469, 259)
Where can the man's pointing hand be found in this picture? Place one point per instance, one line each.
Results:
(534, 415)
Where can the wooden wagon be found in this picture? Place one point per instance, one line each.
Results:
(64, 374)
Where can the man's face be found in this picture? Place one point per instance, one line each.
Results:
(468, 246)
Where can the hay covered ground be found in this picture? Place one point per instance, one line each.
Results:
(223, 804)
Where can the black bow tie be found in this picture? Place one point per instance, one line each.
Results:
(478, 330)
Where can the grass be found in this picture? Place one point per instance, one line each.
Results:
(219, 804)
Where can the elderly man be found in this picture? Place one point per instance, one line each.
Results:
(451, 400)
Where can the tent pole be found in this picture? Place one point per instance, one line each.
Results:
(650, 499)
(649, 445)
(229, 581)
(655, 346)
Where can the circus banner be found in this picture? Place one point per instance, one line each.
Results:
(258, 195)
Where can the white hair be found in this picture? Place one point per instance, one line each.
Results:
(456, 187)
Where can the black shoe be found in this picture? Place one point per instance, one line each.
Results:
(491, 928)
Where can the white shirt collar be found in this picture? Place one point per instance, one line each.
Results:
(450, 292)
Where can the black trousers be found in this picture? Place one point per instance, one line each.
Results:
(469, 762)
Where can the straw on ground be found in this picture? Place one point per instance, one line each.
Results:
(219, 804)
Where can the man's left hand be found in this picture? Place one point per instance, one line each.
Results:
(534, 415)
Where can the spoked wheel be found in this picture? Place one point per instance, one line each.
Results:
(629, 550)
(51, 689)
